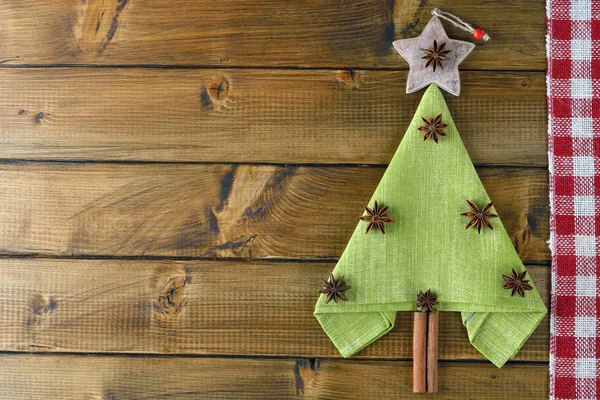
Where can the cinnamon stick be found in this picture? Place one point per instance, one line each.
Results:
(420, 352)
(432, 351)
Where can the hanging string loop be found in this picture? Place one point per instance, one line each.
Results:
(478, 33)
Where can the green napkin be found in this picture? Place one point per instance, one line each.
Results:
(426, 187)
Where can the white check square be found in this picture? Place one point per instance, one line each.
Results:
(581, 10)
(584, 206)
(585, 368)
(585, 246)
(583, 166)
(581, 49)
(585, 327)
(582, 127)
(581, 88)
(586, 286)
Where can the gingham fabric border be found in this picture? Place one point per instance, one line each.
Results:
(573, 78)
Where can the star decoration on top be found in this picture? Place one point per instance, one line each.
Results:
(433, 47)
(517, 283)
(376, 218)
(334, 289)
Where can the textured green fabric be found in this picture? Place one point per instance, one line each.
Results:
(426, 187)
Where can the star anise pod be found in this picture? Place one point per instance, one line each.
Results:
(433, 128)
(376, 218)
(479, 218)
(435, 55)
(334, 289)
(426, 301)
(517, 283)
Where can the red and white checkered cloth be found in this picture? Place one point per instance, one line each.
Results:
(573, 78)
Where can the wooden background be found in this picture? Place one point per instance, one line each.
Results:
(176, 176)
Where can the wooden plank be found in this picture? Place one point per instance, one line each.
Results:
(199, 307)
(102, 377)
(268, 116)
(312, 33)
(221, 210)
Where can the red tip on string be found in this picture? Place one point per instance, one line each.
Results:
(478, 34)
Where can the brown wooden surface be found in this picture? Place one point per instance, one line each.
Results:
(313, 33)
(221, 210)
(257, 116)
(100, 377)
(143, 152)
(197, 307)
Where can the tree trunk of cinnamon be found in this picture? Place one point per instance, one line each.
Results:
(420, 352)
(432, 351)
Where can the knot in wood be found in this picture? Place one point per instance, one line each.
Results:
(215, 93)
(170, 298)
(96, 24)
(306, 374)
(218, 90)
(349, 78)
(39, 117)
(41, 307)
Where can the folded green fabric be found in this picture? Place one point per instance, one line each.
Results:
(427, 247)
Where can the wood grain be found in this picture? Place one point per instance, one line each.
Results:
(100, 377)
(312, 33)
(242, 115)
(240, 211)
(263, 82)
(198, 307)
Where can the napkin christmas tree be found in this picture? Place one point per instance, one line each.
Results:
(427, 247)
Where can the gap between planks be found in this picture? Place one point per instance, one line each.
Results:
(24, 161)
(253, 116)
(51, 376)
(255, 67)
(166, 307)
(221, 211)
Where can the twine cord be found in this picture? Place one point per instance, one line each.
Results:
(456, 21)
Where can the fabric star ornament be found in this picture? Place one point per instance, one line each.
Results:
(433, 58)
